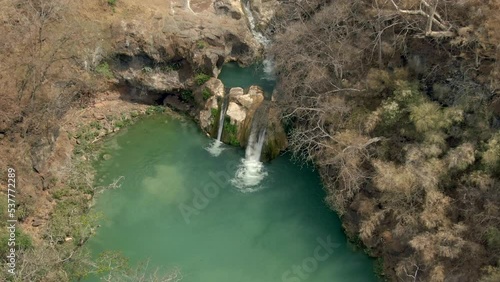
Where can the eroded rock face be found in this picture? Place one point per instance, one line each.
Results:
(207, 117)
(216, 87)
(276, 138)
(263, 11)
(163, 54)
(152, 79)
(240, 112)
(231, 8)
(202, 40)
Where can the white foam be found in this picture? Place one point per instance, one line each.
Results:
(268, 68)
(215, 148)
(251, 170)
(249, 175)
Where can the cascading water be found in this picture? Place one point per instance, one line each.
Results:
(221, 120)
(215, 149)
(251, 170)
(261, 38)
(268, 64)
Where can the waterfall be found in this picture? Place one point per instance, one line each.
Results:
(268, 63)
(255, 144)
(215, 148)
(222, 115)
(268, 68)
(261, 38)
(251, 170)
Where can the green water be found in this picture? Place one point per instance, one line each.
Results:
(176, 207)
(232, 75)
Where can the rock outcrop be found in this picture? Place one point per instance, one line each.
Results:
(242, 110)
(209, 114)
(263, 11)
(229, 7)
(276, 138)
(159, 59)
(182, 43)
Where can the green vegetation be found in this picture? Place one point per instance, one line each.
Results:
(104, 70)
(173, 66)
(214, 112)
(200, 44)
(379, 269)
(155, 110)
(23, 241)
(111, 3)
(187, 96)
(206, 93)
(493, 238)
(399, 134)
(231, 132)
(201, 78)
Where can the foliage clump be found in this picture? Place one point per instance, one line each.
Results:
(231, 132)
(201, 78)
(398, 132)
(206, 93)
(104, 70)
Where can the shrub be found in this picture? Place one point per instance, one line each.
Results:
(206, 93)
(95, 124)
(171, 66)
(154, 110)
(493, 237)
(232, 132)
(214, 112)
(60, 193)
(104, 70)
(378, 80)
(112, 3)
(200, 44)
(187, 95)
(491, 157)
(201, 78)
(23, 241)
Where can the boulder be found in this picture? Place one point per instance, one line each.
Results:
(215, 86)
(236, 113)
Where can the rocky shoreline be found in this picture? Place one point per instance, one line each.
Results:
(169, 60)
